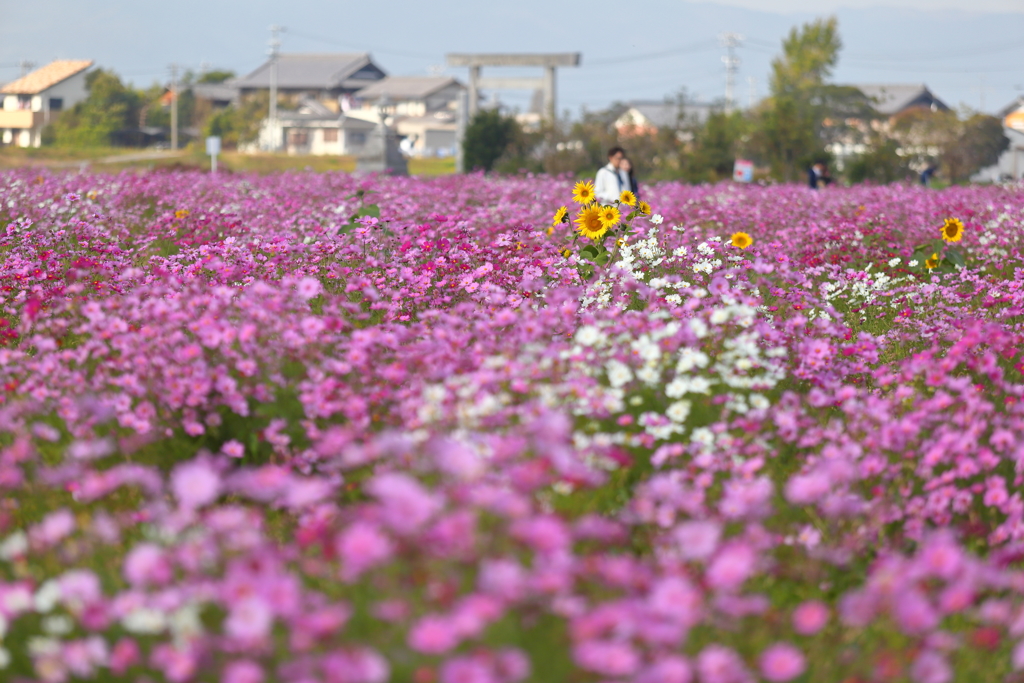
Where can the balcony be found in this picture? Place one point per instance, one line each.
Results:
(22, 118)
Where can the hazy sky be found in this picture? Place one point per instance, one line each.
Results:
(631, 50)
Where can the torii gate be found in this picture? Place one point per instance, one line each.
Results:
(546, 83)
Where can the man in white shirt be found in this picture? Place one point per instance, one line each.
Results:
(608, 184)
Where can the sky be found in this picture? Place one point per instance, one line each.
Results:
(643, 49)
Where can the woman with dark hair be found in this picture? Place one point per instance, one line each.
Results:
(626, 169)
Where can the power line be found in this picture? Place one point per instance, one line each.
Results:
(332, 41)
(685, 49)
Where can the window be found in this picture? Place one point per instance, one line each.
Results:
(56, 103)
(330, 134)
(299, 138)
(24, 101)
(357, 138)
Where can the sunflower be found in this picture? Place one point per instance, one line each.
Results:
(181, 213)
(583, 193)
(627, 198)
(741, 240)
(645, 208)
(609, 216)
(932, 262)
(566, 252)
(559, 216)
(589, 223)
(952, 230)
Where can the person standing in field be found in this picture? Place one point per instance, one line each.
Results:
(629, 177)
(608, 184)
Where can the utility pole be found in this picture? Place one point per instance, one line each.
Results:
(275, 44)
(752, 81)
(730, 41)
(174, 106)
(26, 66)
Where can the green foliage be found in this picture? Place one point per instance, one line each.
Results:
(882, 163)
(111, 106)
(241, 124)
(790, 124)
(487, 139)
(808, 56)
(716, 145)
(216, 76)
(979, 144)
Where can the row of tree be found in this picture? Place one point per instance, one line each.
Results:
(800, 123)
(115, 113)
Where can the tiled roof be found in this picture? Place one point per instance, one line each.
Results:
(46, 77)
(662, 114)
(308, 71)
(894, 98)
(406, 87)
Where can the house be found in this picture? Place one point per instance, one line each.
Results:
(219, 95)
(421, 109)
(36, 99)
(315, 129)
(1010, 165)
(642, 117)
(1013, 114)
(894, 99)
(323, 77)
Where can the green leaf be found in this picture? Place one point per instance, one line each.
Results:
(956, 256)
(602, 258)
(368, 210)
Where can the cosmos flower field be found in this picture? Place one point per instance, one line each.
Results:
(244, 438)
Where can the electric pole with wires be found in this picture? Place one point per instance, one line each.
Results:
(730, 41)
(174, 106)
(274, 142)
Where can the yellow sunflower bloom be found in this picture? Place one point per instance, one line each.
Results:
(180, 213)
(645, 208)
(566, 252)
(627, 198)
(952, 230)
(741, 240)
(559, 216)
(583, 193)
(610, 216)
(589, 223)
(932, 262)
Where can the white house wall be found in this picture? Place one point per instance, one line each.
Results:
(1011, 162)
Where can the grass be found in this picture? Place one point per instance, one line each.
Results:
(105, 159)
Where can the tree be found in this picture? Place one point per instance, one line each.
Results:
(963, 144)
(791, 121)
(715, 147)
(110, 107)
(239, 124)
(216, 76)
(881, 163)
(979, 144)
(488, 136)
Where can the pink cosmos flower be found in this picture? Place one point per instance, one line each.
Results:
(607, 657)
(719, 664)
(242, 671)
(405, 504)
(249, 619)
(782, 662)
(233, 449)
(676, 598)
(931, 667)
(467, 670)
(147, 564)
(433, 635)
(308, 287)
(697, 540)
(362, 546)
(668, 669)
(195, 483)
(914, 613)
(810, 617)
(731, 567)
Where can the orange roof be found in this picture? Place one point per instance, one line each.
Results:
(46, 77)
